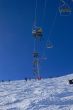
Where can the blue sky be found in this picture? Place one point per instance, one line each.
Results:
(17, 42)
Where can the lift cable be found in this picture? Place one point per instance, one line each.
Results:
(52, 28)
(44, 10)
(35, 22)
(63, 2)
(35, 16)
(49, 35)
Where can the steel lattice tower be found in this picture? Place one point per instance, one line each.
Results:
(37, 34)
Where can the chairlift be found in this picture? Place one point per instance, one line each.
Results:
(37, 32)
(49, 45)
(64, 9)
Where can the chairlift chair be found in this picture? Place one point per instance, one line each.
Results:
(37, 32)
(64, 9)
(49, 45)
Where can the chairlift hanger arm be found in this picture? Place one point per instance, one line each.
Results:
(63, 1)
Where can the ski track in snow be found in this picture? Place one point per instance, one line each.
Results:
(46, 94)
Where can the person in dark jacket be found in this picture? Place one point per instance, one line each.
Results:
(25, 79)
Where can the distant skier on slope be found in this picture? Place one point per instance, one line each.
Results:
(25, 79)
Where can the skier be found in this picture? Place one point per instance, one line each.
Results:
(25, 79)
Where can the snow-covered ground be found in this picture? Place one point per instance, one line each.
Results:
(46, 94)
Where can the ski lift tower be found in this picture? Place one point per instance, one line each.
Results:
(37, 34)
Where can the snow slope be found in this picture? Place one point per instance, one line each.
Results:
(46, 94)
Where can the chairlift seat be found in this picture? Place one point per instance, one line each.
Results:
(37, 32)
(49, 45)
(64, 10)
